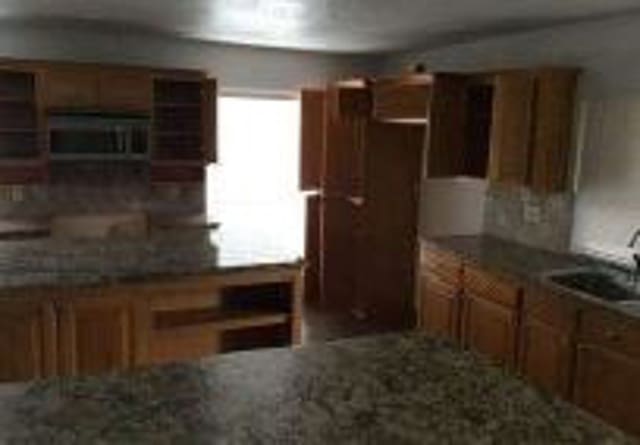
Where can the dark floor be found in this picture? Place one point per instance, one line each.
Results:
(321, 324)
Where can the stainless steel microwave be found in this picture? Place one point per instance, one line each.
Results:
(98, 136)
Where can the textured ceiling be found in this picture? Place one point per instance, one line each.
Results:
(320, 25)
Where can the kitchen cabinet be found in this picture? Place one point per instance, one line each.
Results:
(349, 99)
(553, 129)
(343, 173)
(21, 132)
(440, 293)
(402, 99)
(490, 315)
(547, 336)
(71, 86)
(312, 142)
(531, 130)
(96, 331)
(313, 249)
(608, 368)
(27, 339)
(386, 246)
(125, 90)
(184, 128)
(511, 127)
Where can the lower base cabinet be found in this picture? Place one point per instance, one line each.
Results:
(607, 373)
(565, 346)
(27, 340)
(547, 339)
(96, 333)
(490, 329)
(94, 330)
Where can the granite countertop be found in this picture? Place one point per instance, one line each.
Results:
(527, 264)
(392, 389)
(67, 262)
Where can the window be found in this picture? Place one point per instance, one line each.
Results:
(253, 190)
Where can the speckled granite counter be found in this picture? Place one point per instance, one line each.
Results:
(51, 262)
(507, 257)
(527, 264)
(400, 389)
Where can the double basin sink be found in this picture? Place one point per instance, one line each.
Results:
(609, 284)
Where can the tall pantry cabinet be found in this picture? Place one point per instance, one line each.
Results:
(361, 225)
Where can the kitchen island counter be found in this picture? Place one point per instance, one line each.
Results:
(401, 388)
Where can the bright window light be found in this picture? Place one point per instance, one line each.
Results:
(253, 189)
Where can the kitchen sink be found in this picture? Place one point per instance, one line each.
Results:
(613, 285)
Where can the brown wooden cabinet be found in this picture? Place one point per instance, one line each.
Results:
(312, 138)
(547, 340)
(125, 90)
(608, 368)
(552, 135)
(184, 128)
(27, 338)
(514, 95)
(22, 147)
(71, 87)
(96, 331)
(403, 99)
(440, 293)
(490, 315)
(531, 132)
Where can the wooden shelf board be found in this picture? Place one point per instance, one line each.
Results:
(219, 319)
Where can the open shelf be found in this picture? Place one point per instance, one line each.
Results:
(219, 319)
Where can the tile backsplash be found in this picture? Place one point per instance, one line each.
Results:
(519, 215)
(95, 188)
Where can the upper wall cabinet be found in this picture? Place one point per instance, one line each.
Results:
(86, 87)
(511, 127)
(402, 100)
(532, 125)
(349, 99)
(71, 87)
(312, 138)
(122, 89)
(21, 136)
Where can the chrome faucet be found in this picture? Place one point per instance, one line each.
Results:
(635, 274)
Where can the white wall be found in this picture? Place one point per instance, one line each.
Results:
(236, 67)
(608, 201)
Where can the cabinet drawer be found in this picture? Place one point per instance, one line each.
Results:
(441, 262)
(610, 331)
(550, 308)
(485, 285)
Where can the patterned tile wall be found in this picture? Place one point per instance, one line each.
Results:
(517, 214)
(100, 188)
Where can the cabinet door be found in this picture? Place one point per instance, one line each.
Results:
(313, 103)
(447, 121)
(387, 252)
(490, 329)
(403, 99)
(27, 338)
(344, 161)
(210, 120)
(545, 356)
(95, 333)
(125, 90)
(511, 127)
(553, 129)
(440, 307)
(606, 384)
(313, 256)
(340, 225)
(71, 87)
